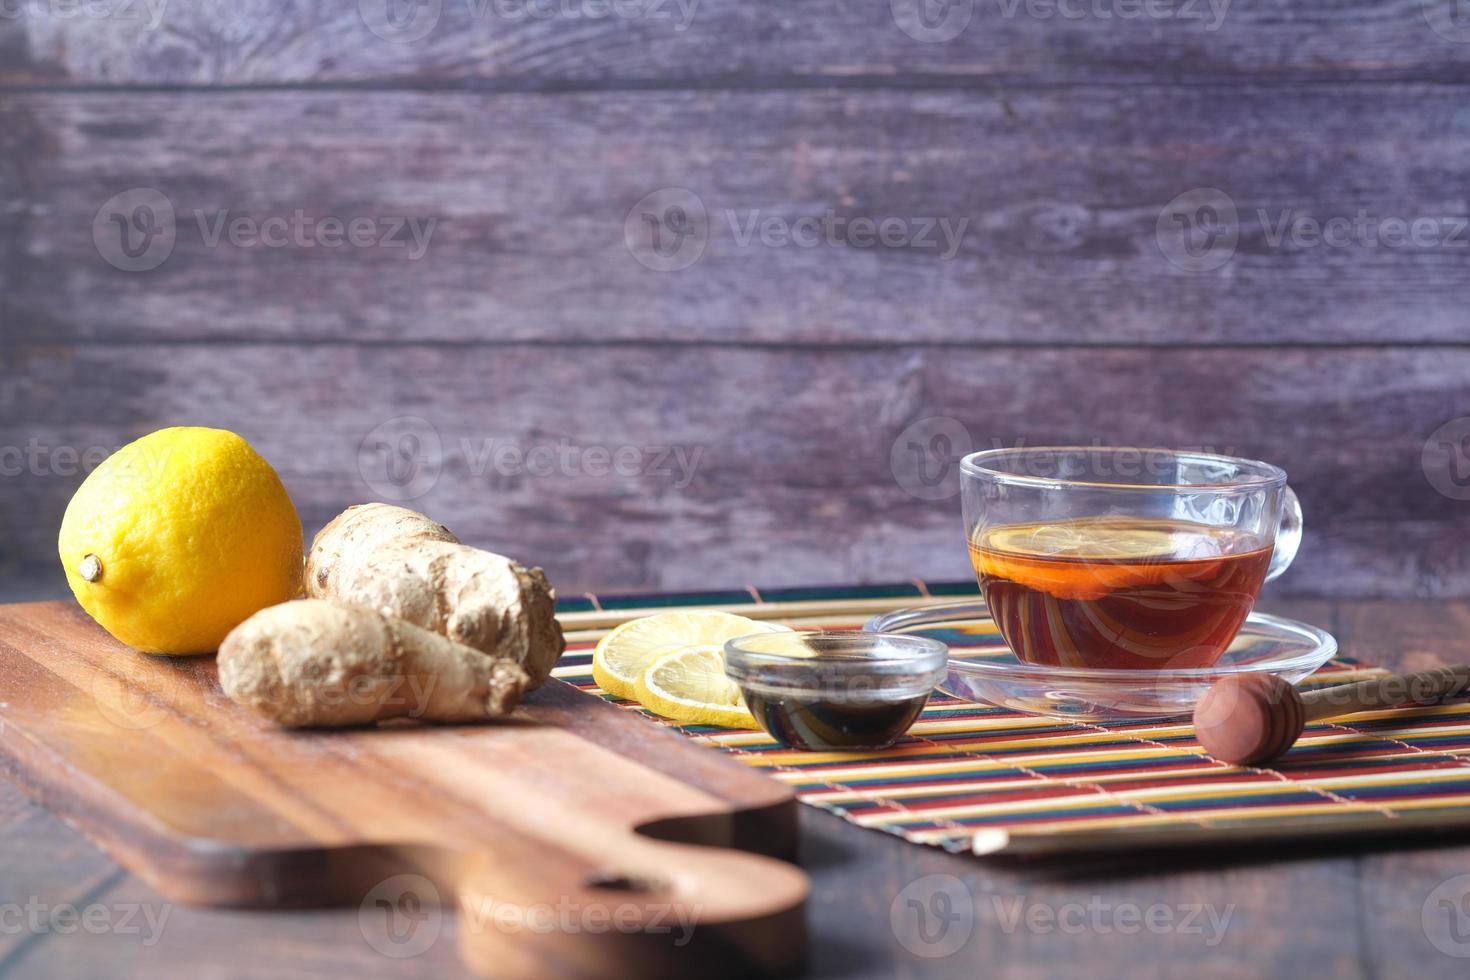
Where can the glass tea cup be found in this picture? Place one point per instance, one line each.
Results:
(1124, 558)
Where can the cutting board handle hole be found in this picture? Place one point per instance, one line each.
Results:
(619, 881)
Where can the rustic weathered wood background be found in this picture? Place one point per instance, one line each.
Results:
(782, 375)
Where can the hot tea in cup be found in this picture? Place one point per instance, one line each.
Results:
(1124, 558)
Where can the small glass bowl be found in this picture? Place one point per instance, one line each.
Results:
(835, 690)
(982, 668)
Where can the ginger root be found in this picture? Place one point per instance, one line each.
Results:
(312, 663)
(401, 563)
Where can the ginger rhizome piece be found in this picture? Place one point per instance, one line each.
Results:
(401, 563)
(311, 663)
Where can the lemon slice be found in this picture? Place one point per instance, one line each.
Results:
(622, 655)
(1099, 540)
(1088, 558)
(689, 686)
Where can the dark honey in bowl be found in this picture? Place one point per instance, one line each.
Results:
(1120, 592)
(835, 690)
(825, 721)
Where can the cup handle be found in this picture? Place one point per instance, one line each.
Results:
(1288, 536)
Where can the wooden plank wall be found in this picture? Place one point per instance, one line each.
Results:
(1090, 239)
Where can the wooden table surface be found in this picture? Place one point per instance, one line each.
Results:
(1337, 910)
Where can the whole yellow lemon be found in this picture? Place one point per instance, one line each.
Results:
(179, 537)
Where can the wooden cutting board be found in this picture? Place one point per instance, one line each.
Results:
(577, 839)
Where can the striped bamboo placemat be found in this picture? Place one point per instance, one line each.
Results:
(989, 780)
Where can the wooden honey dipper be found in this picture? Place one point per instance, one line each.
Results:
(1250, 718)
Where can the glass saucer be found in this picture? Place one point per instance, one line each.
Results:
(982, 668)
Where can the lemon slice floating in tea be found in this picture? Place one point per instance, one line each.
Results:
(623, 655)
(1086, 558)
(689, 686)
(1101, 539)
